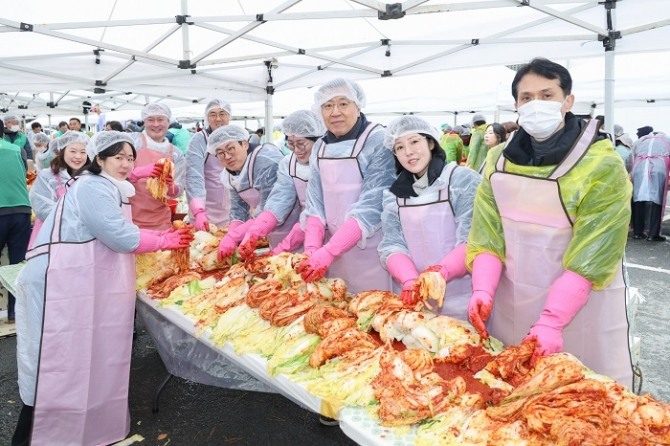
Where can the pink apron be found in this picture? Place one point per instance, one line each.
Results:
(430, 233)
(299, 183)
(537, 233)
(84, 364)
(37, 225)
(149, 213)
(342, 182)
(217, 197)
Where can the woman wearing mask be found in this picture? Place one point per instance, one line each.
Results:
(302, 128)
(74, 337)
(427, 214)
(553, 207)
(208, 199)
(50, 183)
(349, 173)
(250, 172)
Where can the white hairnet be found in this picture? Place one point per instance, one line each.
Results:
(10, 118)
(618, 130)
(224, 134)
(446, 127)
(303, 123)
(339, 87)
(404, 125)
(69, 137)
(156, 109)
(104, 140)
(41, 138)
(218, 103)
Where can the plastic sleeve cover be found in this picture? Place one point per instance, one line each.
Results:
(97, 202)
(265, 172)
(42, 195)
(462, 190)
(378, 167)
(239, 209)
(195, 167)
(596, 194)
(393, 239)
(283, 196)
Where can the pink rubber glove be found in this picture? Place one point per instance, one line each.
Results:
(567, 295)
(229, 242)
(150, 170)
(315, 231)
(291, 242)
(452, 265)
(260, 227)
(404, 271)
(151, 241)
(346, 237)
(197, 208)
(486, 272)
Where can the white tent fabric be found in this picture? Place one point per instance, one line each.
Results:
(414, 56)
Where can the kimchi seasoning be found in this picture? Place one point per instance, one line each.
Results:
(474, 360)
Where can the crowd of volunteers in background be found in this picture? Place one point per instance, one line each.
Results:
(526, 221)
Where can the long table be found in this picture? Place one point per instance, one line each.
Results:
(193, 356)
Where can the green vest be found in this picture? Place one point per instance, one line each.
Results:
(14, 191)
(20, 140)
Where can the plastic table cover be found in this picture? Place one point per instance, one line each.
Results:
(192, 355)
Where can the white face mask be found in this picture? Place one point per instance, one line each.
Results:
(14, 128)
(540, 119)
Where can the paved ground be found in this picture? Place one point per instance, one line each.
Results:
(193, 414)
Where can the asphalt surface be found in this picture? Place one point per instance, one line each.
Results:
(194, 414)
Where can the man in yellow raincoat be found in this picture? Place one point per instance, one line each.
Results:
(549, 230)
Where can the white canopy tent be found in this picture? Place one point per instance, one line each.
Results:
(416, 56)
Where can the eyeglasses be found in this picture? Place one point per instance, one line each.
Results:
(220, 115)
(301, 145)
(329, 107)
(228, 151)
(412, 144)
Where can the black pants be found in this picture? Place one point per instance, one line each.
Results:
(642, 209)
(24, 427)
(15, 234)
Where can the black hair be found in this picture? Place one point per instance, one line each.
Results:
(2, 127)
(63, 123)
(109, 152)
(499, 131)
(35, 124)
(59, 163)
(76, 119)
(547, 69)
(115, 125)
(435, 151)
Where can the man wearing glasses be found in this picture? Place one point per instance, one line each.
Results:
(208, 199)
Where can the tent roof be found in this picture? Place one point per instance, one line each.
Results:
(125, 53)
